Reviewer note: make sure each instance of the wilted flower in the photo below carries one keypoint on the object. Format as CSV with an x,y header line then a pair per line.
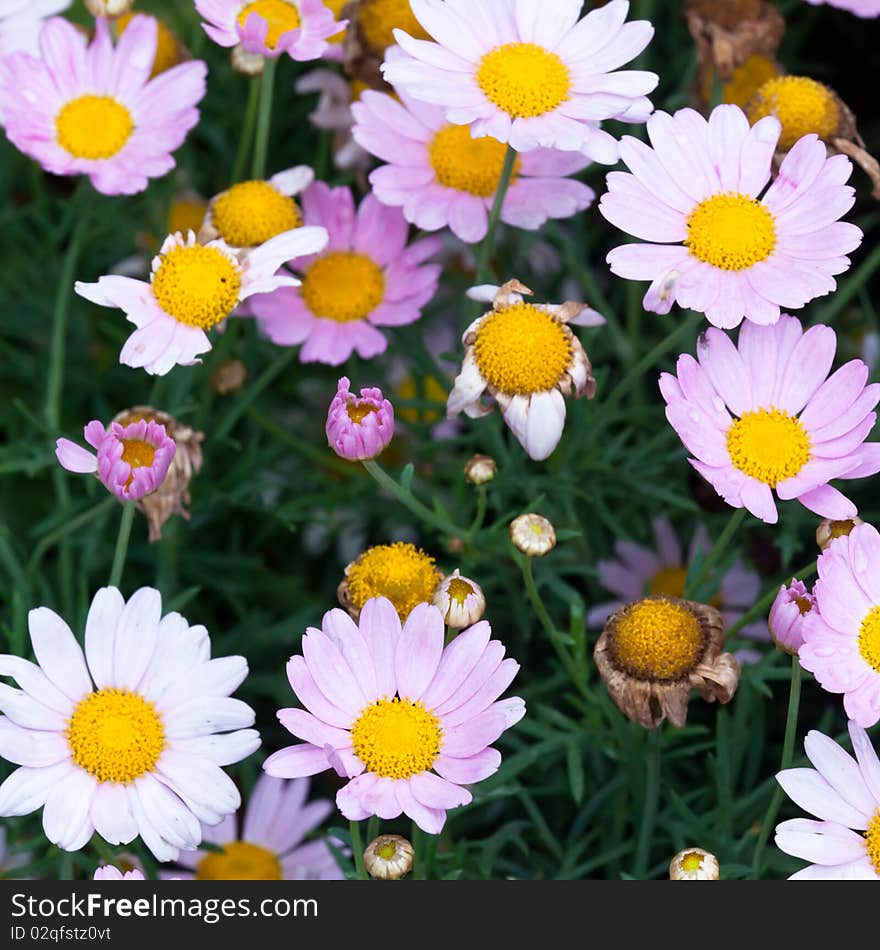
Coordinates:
x,y
480,469
229,377
460,600
172,495
694,864
829,529
532,535
654,651
787,614
359,428
388,858
401,572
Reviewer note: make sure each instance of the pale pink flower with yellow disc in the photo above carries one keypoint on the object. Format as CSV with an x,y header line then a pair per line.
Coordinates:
x,y
764,416
409,721
90,108
359,427
131,461
299,28
722,242
193,287
531,74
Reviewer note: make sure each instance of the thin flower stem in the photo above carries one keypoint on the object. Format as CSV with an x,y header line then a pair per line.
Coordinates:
x,y
248,128
122,543
409,500
480,516
794,701
705,571
484,260
264,119
253,392
357,850
652,798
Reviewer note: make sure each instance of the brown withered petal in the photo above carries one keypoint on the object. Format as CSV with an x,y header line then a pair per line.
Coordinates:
x,y
173,494
648,700
361,62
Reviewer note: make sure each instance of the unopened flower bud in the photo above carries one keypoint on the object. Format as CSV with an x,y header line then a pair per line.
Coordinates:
x,y
389,858
787,615
532,535
109,8
229,377
248,64
694,864
480,469
460,600
359,427
829,530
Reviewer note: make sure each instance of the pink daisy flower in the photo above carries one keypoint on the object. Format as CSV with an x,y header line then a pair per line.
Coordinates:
x,y
110,873
788,615
193,287
271,844
408,721
21,20
367,277
132,460
442,177
359,428
91,108
637,571
299,28
528,74
841,633
863,8
763,416
844,794
723,245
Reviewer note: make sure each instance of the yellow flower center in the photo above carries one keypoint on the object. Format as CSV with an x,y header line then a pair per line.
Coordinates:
x,y
239,861
378,19
197,285
401,572
841,529
93,127
731,231
115,735
186,214
335,7
522,350
281,16
872,841
459,590
802,105
869,638
465,163
669,581
524,79
396,738
343,286
358,411
748,79
428,389
691,862
803,605
137,453
252,212
387,851
769,445
167,47
657,640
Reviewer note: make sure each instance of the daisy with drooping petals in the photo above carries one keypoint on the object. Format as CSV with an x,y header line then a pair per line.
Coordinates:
x,y
862,8
110,873
527,359
841,634
192,288
764,416
367,277
844,794
637,571
270,845
528,74
252,212
91,109
21,21
299,28
131,461
140,751
408,721
723,245
442,177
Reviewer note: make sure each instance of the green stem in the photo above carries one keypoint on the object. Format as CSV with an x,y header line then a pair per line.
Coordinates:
x,y
484,259
122,539
247,130
252,392
74,524
264,119
714,556
357,850
649,810
480,516
794,701
409,500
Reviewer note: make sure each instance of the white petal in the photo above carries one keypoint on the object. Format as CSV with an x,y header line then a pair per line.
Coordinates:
x,y
58,653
